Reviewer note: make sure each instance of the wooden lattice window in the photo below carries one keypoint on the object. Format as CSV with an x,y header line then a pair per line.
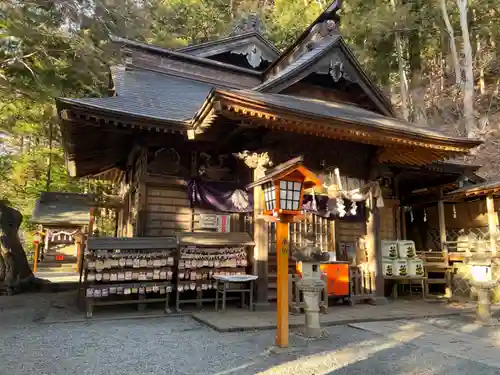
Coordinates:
x,y
324,229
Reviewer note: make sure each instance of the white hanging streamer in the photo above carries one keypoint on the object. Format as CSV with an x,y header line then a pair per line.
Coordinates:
x,y
454,211
425,215
411,215
354,208
314,205
341,207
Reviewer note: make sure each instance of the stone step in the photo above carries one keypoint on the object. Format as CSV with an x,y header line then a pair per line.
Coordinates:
x,y
56,268
272,295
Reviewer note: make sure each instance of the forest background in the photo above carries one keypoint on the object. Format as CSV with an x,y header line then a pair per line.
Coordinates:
x,y
437,60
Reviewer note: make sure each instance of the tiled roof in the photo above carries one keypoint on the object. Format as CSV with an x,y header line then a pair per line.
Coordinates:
x,y
62,209
341,111
477,189
228,39
151,95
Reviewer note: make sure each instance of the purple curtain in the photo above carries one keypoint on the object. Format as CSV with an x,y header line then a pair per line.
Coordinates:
x,y
219,196
229,197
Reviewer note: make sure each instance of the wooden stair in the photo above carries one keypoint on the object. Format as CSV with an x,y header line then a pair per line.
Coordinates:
x,y
436,268
52,264
272,275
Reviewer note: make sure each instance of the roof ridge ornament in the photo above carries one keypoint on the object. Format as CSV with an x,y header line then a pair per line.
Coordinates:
x,y
247,22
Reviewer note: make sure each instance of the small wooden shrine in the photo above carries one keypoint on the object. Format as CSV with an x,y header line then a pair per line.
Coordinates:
x,y
61,218
185,130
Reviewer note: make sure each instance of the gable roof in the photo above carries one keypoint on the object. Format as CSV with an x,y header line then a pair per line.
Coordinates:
x,y
335,110
277,80
298,65
414,145
183,56
230,43
299,69
332,9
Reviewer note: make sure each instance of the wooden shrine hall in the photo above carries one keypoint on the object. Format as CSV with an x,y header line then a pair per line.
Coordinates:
x,y
183,131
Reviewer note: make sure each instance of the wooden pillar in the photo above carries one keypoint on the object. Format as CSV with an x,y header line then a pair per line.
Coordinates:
x,y
492,223
442,225
140,226
403,223
35,255
46,241
398,210
373,245
444,248
260,236
79,252
258,163
282,249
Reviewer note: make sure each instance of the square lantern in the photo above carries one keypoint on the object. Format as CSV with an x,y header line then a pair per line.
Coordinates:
x,y
283,187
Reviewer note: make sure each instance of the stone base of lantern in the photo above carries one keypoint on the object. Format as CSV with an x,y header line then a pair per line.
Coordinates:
x,y
483,308
310,294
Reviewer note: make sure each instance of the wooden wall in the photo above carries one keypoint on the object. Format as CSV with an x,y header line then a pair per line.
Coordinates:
x,y
468,214
167,210
388,220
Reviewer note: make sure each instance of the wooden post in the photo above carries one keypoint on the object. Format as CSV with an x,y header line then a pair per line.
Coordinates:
x,y
261,249
442,225
35,256
492,223
91,222
79,252
373,245
397,207
444,249
282,249
403,223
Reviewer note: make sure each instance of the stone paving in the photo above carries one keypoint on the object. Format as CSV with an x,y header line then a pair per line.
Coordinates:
x,y
182,346
456,336
30,344
238,319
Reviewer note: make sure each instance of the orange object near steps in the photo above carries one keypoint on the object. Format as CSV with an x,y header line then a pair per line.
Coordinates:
x,y
338,277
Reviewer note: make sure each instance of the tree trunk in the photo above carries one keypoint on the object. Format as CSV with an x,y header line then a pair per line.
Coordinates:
x,y
470,126
16,267
405,105
453,47
417,89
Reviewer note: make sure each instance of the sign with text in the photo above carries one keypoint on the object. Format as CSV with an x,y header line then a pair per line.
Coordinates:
x,y
208,221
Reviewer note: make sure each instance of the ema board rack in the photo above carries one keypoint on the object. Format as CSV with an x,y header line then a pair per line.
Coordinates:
x,y
121,271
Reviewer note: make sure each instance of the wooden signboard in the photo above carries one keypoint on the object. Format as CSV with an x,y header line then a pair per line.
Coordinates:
x,y
208,221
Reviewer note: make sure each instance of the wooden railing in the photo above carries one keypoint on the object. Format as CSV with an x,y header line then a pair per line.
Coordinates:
x,y
362,284
467,246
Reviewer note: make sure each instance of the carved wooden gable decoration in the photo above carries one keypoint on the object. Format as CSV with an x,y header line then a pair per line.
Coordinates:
x,y
334,65
321,51
258,52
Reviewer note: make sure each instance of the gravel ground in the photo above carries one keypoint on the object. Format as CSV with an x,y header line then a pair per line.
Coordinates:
x,y
175,346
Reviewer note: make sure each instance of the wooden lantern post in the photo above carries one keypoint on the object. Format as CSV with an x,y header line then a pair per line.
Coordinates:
x,y
283,188
36,249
